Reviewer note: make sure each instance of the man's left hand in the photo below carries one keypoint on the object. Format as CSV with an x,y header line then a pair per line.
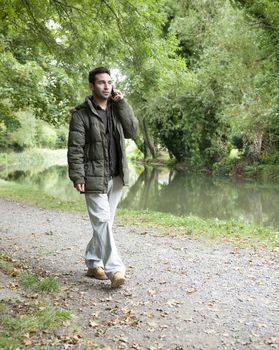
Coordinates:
x,y
118,95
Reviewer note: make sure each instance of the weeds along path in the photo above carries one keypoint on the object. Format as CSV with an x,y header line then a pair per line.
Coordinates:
x,y
181,293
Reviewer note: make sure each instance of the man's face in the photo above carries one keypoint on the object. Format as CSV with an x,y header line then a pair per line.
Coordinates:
x,y
102,86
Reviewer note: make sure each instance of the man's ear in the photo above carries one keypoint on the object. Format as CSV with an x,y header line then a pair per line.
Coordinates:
x,y
91,86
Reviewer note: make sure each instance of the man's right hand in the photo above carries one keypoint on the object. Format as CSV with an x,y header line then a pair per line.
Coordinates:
x,y
80,187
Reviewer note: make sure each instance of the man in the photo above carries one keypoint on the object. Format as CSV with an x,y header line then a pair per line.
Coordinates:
x,y
98,168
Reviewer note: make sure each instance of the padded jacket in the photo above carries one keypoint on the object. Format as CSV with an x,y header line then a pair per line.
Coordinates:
x,y
88,153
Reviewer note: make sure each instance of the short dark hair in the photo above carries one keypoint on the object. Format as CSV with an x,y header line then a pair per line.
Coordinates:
x,y
95,71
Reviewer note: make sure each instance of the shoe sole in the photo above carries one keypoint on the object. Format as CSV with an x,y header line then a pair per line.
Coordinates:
x,y
99,278
118,282
96,277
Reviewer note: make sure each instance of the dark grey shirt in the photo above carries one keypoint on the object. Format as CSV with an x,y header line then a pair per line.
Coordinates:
x,y
106,116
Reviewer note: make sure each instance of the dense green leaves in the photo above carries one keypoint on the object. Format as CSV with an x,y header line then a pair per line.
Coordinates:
x,y
47,50
50,48
229,90
202,75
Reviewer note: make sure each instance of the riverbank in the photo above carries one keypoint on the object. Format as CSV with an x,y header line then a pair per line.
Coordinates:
x,y
44,158
238,232
181,292
41,158
232,169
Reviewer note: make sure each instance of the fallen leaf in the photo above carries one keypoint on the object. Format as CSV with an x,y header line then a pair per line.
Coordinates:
x,y
173,302
191,290
272,340
113,322
123,339
164,326
12,286
106,299
93,324
26,340
152,292
210,331
152,324
76,338
15,272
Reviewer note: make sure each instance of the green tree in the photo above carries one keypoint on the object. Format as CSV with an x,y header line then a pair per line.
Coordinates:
x,y
200,74
265,14
46,51
228,88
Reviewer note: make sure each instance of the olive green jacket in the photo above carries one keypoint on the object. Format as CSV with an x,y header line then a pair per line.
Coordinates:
x,y
88,154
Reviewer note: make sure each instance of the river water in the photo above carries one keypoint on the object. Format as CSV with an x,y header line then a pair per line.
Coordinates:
x,y
161,189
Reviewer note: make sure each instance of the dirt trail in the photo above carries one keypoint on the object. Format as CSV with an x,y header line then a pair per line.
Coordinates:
x,y
181,293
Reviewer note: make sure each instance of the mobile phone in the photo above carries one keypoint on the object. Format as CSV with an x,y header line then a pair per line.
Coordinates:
x,y
112,92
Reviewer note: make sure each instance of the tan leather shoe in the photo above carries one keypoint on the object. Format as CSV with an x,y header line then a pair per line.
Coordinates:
x,y
97,272
117,279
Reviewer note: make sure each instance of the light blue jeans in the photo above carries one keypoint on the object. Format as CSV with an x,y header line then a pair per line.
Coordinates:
x,y
101,249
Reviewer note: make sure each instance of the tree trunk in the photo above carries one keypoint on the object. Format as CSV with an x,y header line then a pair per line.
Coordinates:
x,y
257,145
147,140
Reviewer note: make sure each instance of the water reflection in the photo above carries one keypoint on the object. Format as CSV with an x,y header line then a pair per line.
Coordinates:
x,y
204,196
172,192
53,181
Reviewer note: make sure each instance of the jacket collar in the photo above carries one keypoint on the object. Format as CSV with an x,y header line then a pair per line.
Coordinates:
x,y
91,106
93,109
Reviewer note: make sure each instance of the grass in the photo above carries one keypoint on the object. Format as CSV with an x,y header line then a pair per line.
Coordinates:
x,y
24,322
28,279
9,343
34,320
35,197
5,266
44,318
197,227
46,285
189,225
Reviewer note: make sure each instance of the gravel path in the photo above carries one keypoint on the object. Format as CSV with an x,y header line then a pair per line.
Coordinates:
x,y
181,293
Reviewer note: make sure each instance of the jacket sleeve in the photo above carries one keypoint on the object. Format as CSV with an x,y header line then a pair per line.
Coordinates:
x,y
76,143
125,115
